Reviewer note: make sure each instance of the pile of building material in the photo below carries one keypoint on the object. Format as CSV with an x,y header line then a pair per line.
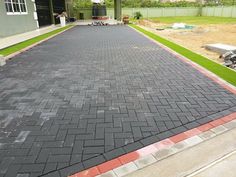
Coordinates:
x,y
227,53
229,59
220,48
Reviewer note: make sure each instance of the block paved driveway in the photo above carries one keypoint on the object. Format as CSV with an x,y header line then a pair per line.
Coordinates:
x,y
94,93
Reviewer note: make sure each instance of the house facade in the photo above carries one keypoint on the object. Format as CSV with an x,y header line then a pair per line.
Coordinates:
x,y
19,16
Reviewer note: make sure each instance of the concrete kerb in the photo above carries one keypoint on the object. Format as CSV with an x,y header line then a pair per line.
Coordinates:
x,y
2,61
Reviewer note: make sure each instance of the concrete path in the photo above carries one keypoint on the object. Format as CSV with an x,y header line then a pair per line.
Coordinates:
x,y
213,158
15,39
225,167
94,93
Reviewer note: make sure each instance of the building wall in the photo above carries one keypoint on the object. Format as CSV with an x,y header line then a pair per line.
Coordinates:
x,y
15,24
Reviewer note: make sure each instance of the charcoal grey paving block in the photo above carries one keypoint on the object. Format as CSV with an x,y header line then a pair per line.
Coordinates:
x,y
34,174
53,174
50,167
65,172
5,163
32,168
93,161
59,158
13,170
226,112
69,141
179,130
78,146
233,109
62,165
93,150
164,135
23,175
59,151
89,156
53,144
192,125
114,153
149,140
75,158
93,143
132,147
25,159
204,120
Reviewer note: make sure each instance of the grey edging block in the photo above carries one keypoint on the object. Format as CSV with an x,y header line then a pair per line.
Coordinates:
x,y
2,61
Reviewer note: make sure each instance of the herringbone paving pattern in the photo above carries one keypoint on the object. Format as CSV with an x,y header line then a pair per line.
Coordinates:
x,y
94,93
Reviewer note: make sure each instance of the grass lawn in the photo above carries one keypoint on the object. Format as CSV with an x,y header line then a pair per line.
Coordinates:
x,y
19,46
197,20
221,71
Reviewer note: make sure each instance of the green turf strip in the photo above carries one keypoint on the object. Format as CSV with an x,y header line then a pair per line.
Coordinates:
x,y
22,45
218,69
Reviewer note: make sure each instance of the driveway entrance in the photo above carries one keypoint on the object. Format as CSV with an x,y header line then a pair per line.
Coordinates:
x,y
94,93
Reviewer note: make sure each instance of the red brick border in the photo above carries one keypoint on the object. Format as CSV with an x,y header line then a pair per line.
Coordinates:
x,y
132,156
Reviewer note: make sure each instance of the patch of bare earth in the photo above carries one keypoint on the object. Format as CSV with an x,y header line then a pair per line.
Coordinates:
x,y
194,39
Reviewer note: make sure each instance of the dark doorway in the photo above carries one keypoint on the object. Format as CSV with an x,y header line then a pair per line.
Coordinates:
x,y
43,11
58,7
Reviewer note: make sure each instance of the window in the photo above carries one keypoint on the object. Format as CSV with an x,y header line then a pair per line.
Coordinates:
x,y
16,7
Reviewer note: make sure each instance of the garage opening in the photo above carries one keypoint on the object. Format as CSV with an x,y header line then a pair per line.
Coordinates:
x,y
47,10
44,13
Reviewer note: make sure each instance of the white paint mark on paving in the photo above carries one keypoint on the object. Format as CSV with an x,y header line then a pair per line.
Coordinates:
x,y
22,136
5,122
43,120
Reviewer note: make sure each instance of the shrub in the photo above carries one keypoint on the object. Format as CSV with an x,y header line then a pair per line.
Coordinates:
x,y
137,15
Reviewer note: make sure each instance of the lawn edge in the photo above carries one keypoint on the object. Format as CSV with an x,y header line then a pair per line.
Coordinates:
x,y
184,58
221,18
8,57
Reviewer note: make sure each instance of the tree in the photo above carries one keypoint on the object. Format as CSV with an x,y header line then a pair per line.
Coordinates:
x,y
78,4
109,3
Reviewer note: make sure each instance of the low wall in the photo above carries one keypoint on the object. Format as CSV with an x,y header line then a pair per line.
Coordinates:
x,y
220,11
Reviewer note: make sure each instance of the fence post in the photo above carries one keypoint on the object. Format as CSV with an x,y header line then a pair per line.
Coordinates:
x,y
232,10
222,7
214,11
